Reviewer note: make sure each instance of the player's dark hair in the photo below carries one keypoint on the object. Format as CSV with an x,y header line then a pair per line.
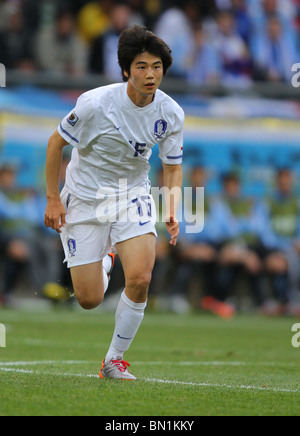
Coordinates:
x,y
137,40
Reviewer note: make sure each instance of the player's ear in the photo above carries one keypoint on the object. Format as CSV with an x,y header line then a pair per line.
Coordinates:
x,y
126,74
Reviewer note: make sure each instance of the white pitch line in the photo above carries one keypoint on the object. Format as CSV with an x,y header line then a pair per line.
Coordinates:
x,y
225,386
44,362
59,374
147,363
149,380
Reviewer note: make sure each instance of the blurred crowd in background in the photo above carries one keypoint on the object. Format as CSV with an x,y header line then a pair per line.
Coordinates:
x,y
246,258
248,255
228,42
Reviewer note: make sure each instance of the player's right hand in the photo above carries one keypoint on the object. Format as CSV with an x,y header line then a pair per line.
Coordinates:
x,y
173,228
55,215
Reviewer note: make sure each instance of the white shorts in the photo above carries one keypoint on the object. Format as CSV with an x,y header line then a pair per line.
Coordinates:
x,y
90,233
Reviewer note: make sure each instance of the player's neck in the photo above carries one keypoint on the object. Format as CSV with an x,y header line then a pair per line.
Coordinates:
x,y
138,98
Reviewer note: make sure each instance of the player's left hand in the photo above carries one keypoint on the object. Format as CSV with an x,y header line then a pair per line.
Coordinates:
x,y
173,228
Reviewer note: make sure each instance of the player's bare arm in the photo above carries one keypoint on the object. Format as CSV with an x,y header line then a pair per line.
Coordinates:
x,y
173,184
55,213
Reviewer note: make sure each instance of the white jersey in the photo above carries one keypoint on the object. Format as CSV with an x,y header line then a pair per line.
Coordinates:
x,y
113,139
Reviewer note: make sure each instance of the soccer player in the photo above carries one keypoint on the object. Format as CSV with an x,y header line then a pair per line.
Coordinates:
x,y
113,130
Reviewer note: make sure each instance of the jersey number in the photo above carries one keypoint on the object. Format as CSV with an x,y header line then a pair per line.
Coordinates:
x,y
144,207
139,148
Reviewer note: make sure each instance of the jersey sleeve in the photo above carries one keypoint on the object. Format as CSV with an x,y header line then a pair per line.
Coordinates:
x,y
78,127
171,147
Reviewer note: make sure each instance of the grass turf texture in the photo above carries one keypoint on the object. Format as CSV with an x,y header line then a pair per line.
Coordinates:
x,y
187,366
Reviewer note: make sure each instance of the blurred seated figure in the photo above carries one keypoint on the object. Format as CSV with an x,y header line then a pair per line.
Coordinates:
x,y
274,52
198,251
104,48
12,252
233,52
12,249
241,253
27,247
282,243
205,65
58,47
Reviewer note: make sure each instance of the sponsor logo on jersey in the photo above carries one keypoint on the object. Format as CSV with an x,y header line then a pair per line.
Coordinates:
x,y
73,119
160,128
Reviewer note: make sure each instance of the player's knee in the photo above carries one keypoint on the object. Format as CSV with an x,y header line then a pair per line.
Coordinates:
x,y
89,302
140,282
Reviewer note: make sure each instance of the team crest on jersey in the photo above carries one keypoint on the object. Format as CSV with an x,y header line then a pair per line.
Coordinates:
x,y
160,128
72,247
72,119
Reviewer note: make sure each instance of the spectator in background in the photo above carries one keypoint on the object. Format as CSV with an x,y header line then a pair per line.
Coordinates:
x,y
208,7
233,52
4,55
139,11
13,252
75,5
93,19
28,248
204,66
175,28
274,53
32,14
242,224
152,9
296,18
282,241
223,5
15,39
58,47
239,9
13,257
198,253
260,10
104,49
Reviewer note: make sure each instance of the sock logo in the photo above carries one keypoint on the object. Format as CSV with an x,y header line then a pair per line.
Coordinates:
x,y
126,339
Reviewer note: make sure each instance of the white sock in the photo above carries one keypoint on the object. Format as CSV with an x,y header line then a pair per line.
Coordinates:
x,y
129,316
106,263
105,281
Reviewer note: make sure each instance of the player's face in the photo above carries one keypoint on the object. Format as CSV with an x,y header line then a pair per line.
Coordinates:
x,y
145,77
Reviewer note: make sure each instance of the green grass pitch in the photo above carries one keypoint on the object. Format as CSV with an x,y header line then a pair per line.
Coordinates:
x,y
186,365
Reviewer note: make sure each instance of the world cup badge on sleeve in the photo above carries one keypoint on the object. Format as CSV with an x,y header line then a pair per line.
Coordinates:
x,y
72,119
